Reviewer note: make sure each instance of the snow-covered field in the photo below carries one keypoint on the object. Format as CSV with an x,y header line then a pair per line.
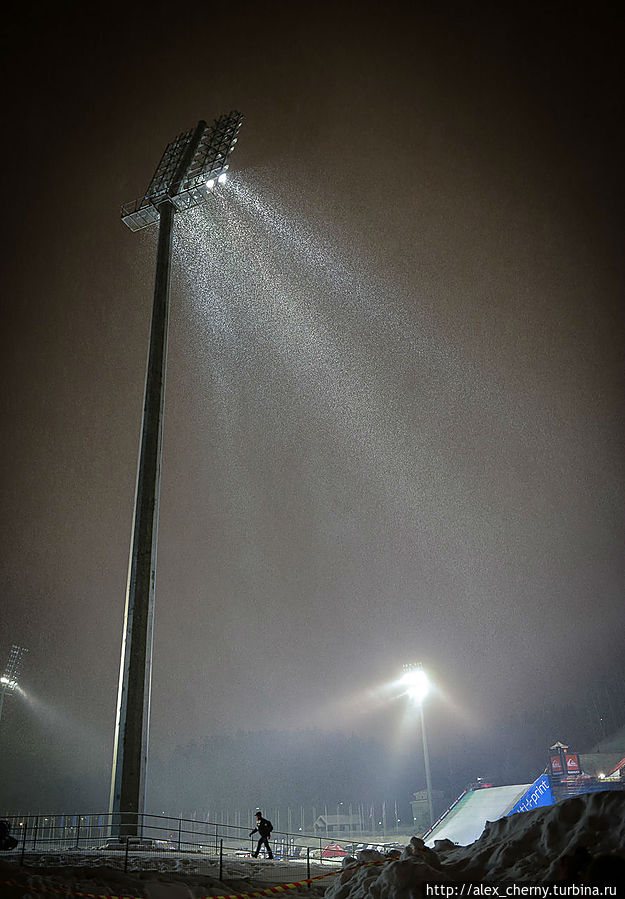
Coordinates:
x,y
174,875
577,841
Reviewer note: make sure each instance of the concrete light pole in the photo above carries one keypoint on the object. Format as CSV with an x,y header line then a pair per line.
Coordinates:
x,y
426,758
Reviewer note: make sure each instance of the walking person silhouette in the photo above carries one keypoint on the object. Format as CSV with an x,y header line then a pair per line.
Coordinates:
x,y
263,829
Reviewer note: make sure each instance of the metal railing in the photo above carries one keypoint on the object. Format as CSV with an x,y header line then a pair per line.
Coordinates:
x,y
206,847
568,788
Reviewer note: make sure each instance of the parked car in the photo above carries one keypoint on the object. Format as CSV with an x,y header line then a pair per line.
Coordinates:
x,y
136,844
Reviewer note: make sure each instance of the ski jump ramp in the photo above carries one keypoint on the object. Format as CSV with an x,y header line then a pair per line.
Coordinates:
x,y
465,820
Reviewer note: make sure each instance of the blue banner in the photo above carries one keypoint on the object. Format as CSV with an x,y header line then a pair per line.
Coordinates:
x,y
537,795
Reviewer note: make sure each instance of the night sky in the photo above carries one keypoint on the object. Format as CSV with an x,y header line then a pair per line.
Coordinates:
x,y
394,426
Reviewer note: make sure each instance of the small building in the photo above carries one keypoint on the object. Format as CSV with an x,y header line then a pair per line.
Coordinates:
x,y
420,808
617,773
343,824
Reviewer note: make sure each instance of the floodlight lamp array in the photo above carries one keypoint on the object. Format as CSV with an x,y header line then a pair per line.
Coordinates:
x,y
188,188
416,682
9,678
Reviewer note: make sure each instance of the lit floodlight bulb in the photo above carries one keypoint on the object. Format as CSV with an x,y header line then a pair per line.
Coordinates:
x,y
210,183
417,683
4,679
222,178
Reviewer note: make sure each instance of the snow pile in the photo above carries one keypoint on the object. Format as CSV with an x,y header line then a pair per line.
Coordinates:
x,y
532,847
401,877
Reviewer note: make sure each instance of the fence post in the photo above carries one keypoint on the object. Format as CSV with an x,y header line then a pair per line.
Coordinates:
x,y
36,827
308,864
24,841
78,832
126,854
221,859
179,832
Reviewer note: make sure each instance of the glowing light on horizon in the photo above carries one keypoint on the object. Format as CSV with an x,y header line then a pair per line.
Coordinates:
x,y
416,682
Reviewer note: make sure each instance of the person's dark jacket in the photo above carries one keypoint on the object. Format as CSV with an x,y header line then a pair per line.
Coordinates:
x,y
6,840
263,827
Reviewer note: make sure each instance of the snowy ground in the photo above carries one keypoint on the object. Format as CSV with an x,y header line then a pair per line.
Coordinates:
x,y
175,875
576,841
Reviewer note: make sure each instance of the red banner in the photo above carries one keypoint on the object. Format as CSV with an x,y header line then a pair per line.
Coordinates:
x,y
556,765
572,763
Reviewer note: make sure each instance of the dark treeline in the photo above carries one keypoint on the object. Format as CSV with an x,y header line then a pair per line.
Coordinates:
x,y
49,768
283,769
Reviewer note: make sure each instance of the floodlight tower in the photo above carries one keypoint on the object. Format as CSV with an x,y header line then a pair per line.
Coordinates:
x,y
418,684
190,168
9,680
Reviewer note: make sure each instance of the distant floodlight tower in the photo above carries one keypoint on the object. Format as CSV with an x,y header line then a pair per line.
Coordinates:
x,y
9,680
186,176
418,686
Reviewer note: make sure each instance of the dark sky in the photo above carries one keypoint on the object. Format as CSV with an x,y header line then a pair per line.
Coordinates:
x,y
394,423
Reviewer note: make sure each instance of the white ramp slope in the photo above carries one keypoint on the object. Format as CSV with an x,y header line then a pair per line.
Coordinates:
x,y
466,821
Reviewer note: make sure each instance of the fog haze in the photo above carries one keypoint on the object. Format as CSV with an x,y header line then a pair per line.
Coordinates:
x,y
393,426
